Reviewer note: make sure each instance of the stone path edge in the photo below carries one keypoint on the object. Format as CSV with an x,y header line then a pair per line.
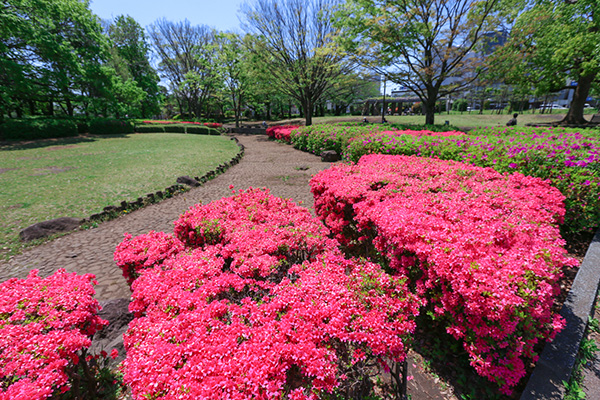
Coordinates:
x,y
109,211
558,357
174,189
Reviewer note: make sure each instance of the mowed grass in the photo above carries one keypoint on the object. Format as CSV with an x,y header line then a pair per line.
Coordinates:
x,y
465,119
76,177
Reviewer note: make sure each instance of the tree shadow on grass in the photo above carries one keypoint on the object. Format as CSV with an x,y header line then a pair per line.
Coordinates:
x,y
10,145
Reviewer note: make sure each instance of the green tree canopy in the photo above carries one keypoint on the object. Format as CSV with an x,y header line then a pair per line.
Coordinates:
x,y
552,43
50,52
427,46
131,58
296,44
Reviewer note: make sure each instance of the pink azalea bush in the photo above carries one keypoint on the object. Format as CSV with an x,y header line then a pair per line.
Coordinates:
x,y
45,324
144,251
483,249
282,132
261,304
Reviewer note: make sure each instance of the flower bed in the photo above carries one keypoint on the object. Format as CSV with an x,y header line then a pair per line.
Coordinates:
x,y
482,248
338,137
45,324
282,132
568,158
260,304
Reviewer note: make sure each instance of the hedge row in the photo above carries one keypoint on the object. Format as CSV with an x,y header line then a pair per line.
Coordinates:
x,y
37,129
177,128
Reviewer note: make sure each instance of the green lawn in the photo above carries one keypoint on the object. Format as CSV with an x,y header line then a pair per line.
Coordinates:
x,y
76,177
465,119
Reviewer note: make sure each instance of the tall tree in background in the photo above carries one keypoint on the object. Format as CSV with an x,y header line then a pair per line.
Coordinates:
x,y
426,46
297,46
186,61
233,61
132,50
50,53
551,43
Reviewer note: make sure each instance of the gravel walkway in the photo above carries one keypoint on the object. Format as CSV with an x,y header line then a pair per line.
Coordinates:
x,y
265,164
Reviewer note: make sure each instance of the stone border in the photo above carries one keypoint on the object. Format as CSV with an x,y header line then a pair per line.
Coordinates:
x,y
109,211
169,191
558,357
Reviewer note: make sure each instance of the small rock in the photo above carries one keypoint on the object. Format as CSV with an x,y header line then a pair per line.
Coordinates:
x,y
48,228
116,312
186,180
302,168
330,156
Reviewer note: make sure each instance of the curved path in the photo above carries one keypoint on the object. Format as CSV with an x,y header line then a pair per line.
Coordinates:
x,y
265,164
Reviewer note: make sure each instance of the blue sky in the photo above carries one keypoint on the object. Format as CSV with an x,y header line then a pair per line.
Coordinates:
x,y
219,14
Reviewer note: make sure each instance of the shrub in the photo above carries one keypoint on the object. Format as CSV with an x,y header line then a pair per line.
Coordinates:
x,y
45,324
110,126
145,251
37,129
259,304
149,128
282,132
568,157
481,248
199,130
175,128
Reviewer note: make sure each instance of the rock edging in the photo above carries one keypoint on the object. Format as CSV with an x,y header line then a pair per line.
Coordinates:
x,y
39,230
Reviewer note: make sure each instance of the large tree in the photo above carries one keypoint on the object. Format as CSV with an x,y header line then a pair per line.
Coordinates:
x,y
427,46
552,43
49,53
186,55
297,46
235,69
132,51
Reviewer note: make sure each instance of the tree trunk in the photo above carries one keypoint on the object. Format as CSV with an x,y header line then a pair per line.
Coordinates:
x,y
31,107
69,107
575,114
429,110
308,112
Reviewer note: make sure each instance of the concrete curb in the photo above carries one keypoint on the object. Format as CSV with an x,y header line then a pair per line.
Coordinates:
x,y
558,357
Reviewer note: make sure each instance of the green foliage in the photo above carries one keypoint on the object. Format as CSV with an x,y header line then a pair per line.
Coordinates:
x,y
460,105
418,44
110,126
551,43
32,129
201,130
132,51
150,128
50,52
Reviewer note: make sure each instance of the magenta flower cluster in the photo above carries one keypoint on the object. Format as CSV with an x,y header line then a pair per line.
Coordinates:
x,y
481,248
258,303
44,326
282,132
